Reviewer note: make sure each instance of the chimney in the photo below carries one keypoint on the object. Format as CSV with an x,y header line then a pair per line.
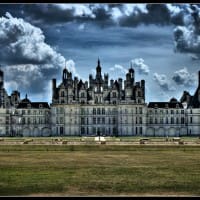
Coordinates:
x,y
53,87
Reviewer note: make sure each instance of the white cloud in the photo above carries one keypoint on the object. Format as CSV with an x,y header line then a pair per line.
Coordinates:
x,y
163,82
183,77
119,68
139,64
70,64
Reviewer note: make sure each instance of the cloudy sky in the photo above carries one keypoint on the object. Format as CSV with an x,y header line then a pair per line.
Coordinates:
x,y
160,41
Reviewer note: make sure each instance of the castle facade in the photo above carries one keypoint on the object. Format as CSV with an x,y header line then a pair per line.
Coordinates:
x,y
99,107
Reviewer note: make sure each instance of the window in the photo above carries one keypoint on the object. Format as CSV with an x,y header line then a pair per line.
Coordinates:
x,y
61,130
61,120
191,120
103,111
82,111
94,120
182,111
94,130
172,111
161,120
182,120
140,130
82,120
114,120
151,120
166,111
98,111
62,94
191,111
140,120
114,95
172,120
103,120
98,120
82,94
140,110
61,110
28,120
156,121
82,130
177,121
167,120
94,111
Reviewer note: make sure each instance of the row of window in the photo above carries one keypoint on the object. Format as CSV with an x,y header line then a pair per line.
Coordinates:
x,y
162,111
32,112
167,120
32,120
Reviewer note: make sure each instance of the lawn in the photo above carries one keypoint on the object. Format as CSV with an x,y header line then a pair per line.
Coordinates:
x,y
82,170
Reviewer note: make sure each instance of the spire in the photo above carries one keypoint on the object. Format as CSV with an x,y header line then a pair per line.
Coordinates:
x,y
26,96
98,62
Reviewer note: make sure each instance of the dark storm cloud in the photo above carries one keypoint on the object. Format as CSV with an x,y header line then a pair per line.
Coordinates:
x,y
187,37
155,14
102,14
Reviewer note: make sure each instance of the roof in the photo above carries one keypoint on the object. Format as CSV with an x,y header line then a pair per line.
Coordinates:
x,y
165,105
33,105
195,103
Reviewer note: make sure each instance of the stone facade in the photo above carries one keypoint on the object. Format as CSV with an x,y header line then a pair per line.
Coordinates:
x,y
99,107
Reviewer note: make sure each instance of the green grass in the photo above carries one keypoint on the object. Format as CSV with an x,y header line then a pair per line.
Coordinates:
x,y
99,170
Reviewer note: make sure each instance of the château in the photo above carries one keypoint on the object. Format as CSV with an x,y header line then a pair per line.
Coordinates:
x,y
98,106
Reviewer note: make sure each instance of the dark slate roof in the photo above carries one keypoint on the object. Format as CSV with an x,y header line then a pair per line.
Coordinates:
x,y
33,105
163,104
195,103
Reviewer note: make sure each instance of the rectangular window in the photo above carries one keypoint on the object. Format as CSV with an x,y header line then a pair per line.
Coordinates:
x,y
94,120
182,120
98,120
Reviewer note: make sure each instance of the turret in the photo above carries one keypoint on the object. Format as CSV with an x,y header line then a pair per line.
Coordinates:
x,y
65,74
111,82
53,87
98,70
1,79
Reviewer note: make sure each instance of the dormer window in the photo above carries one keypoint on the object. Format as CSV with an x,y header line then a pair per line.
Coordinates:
x,y
40,106
29,105
82,94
